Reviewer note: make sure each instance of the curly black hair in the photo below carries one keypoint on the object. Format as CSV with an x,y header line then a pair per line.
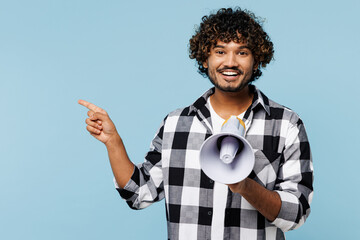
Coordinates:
x,y
226,25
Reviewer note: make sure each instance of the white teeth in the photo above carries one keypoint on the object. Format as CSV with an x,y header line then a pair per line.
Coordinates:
x,y
230,73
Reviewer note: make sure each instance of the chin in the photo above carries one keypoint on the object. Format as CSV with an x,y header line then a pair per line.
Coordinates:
x,y
230,88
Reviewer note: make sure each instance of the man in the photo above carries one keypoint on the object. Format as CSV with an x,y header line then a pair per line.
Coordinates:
x,y
230,48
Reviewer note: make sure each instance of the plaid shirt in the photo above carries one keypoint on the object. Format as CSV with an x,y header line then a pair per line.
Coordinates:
x,y
172,171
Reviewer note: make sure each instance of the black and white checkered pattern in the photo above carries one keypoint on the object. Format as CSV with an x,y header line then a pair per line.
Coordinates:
x,y
172,171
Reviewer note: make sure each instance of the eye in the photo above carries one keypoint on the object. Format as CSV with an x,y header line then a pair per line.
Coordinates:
x,y
243,53
219,52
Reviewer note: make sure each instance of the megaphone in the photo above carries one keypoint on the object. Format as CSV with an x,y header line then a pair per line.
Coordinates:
x,y
227,157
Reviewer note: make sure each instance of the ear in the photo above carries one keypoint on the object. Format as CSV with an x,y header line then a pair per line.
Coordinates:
x,y
205,64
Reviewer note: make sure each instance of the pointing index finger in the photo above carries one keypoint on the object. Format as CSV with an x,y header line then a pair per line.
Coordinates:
x,y
91,106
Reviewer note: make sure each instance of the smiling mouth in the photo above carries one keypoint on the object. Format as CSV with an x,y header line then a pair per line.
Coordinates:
x,y
228,72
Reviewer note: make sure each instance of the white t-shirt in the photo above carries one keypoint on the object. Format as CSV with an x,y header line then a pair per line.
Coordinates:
x,y
220,190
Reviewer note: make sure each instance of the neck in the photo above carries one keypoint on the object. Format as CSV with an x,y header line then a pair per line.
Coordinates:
x,y
226,104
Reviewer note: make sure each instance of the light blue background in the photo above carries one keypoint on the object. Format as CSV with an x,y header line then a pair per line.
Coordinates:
x,y
131,58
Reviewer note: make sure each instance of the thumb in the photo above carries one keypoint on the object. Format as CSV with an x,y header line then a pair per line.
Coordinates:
x,y
98,116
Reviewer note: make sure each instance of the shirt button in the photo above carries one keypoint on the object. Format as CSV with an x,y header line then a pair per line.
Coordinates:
x,y
209,213
211,181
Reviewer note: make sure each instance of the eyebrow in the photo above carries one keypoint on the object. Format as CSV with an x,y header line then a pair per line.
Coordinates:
x,y
221,46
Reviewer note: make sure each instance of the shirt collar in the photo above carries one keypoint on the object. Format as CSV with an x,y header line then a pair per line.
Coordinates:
x,y
259,100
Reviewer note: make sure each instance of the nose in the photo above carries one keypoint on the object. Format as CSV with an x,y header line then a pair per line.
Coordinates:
x,y
230,60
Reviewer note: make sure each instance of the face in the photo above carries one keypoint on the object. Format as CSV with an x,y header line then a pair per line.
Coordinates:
x,y
230,66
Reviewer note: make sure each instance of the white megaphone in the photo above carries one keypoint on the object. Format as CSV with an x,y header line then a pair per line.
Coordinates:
x,y
227,157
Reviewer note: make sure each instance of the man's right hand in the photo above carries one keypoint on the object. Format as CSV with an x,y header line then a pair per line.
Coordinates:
x,y
102,128
99,124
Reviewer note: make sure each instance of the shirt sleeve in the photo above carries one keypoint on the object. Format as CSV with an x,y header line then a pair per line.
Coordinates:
x,y
146,183
295,179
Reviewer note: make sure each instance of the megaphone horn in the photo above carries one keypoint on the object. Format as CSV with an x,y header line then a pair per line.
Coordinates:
x,y
227,157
